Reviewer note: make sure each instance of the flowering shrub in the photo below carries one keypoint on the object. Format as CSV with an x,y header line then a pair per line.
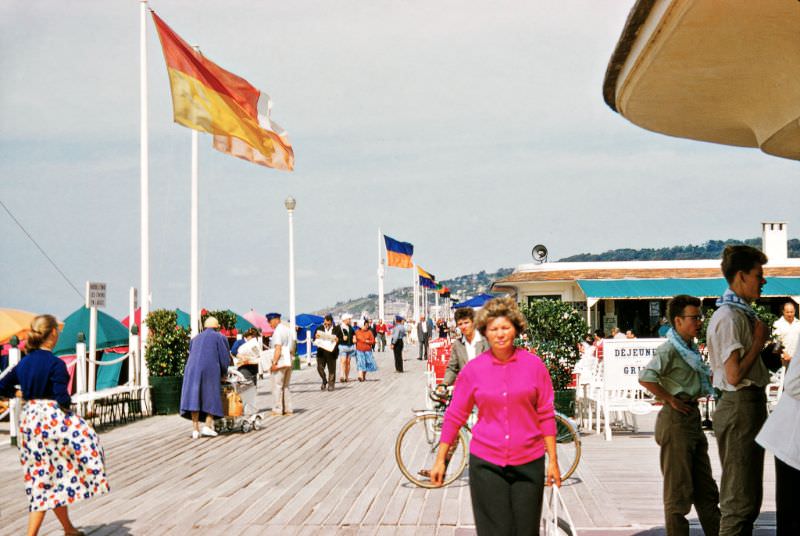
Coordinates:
x,y
167,344
554,330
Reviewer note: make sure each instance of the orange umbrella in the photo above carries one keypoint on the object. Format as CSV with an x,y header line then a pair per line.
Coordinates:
x,y
14,322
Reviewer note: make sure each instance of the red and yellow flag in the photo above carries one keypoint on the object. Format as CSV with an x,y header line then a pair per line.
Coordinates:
x,y
206,97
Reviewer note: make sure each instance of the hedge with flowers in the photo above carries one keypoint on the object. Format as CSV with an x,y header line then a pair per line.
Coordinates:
x,y
554,330
167,344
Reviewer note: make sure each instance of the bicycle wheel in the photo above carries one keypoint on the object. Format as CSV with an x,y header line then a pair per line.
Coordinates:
x,y
568,446
416,447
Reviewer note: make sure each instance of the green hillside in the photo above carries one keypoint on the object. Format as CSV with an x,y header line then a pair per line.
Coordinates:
x,y
708,250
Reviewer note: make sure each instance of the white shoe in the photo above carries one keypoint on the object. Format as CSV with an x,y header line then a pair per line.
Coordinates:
x,y
208,432
195,434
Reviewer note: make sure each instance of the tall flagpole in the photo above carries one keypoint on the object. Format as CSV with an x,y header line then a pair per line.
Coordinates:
x,y
380,277
194,309
145,187
194,300
415,286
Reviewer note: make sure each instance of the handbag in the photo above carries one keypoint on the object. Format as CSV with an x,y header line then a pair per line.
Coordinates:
x,y
556,520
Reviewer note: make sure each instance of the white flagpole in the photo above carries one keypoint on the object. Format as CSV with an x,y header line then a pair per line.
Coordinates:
x,y
145,186
195,283
415,286
380,277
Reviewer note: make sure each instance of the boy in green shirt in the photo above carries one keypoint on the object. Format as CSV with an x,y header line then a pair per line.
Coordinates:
x,y
678,376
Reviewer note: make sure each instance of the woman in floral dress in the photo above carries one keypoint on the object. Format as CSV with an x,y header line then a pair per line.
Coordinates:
x,y
60,453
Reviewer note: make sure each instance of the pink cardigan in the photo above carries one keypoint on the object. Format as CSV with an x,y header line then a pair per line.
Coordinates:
x,y
515,407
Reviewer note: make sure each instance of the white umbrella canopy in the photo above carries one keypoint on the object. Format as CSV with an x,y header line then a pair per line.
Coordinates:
x,y
723,73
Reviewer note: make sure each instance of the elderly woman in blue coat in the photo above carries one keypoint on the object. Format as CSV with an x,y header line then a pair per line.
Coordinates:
x,y
201,397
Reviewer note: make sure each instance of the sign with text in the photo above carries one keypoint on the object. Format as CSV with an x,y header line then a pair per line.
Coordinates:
x,y
624,358
95,294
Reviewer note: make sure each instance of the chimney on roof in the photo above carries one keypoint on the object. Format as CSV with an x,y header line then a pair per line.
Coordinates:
x,y
775,240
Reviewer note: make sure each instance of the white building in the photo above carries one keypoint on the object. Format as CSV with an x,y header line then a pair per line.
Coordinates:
x,y
633,294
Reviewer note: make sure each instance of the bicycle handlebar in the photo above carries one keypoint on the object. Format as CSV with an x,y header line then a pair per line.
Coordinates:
x,y
440,394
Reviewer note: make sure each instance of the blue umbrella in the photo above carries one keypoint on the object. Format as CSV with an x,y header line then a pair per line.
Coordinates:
x,y
477,301
306,321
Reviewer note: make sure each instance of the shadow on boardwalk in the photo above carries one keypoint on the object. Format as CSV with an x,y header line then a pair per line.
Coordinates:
x,y
328,469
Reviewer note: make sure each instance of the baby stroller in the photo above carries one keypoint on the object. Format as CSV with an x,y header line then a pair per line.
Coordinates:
x,y
239,404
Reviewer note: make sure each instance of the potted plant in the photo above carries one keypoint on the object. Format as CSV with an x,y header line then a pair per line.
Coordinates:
x,y
166,353
554,330
227,321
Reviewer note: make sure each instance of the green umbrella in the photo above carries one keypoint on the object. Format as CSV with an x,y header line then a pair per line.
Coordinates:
x,y
110,332
242,324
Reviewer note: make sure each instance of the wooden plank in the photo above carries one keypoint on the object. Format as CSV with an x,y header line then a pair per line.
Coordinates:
x,y
329,469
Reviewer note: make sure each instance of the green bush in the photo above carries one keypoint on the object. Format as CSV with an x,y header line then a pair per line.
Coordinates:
x,y
167,344
227,319
554,330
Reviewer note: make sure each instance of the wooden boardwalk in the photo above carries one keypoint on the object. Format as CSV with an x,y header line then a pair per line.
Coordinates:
x,y
328,469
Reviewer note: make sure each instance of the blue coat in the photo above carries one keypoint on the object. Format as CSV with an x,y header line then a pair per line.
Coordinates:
x,y
208,362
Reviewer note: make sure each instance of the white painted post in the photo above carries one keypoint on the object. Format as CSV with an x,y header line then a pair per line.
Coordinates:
x,y
80,366
144,181
290,204
380,276
133,359
308,346
13,403
415,286
133,340
92,348
194,309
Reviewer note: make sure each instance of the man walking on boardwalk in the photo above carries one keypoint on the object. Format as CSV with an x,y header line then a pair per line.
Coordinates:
x,y
678,376
380,335
398,334
735,339
466,347
324,337
281,343
424,330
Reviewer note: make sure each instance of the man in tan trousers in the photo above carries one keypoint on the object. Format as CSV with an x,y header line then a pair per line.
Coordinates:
x,y
678,376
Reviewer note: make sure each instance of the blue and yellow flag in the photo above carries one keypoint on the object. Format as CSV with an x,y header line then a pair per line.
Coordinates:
x,y
398,254
426,279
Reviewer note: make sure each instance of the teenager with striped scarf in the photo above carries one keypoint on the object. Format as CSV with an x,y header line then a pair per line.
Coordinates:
x,y
735,339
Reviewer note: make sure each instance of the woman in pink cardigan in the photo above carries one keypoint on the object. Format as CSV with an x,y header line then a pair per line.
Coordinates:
x,y
516,425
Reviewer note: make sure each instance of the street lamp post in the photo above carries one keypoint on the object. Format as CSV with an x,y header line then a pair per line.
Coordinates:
x,y
290,203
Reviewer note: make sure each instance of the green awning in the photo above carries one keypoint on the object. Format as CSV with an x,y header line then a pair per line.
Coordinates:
x,y
667,288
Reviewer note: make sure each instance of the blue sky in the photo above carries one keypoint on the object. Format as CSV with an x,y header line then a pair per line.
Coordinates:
x,y
472,130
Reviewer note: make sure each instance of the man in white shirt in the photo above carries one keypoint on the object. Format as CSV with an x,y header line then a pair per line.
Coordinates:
x,y
787,328
281,343
735,339
465,348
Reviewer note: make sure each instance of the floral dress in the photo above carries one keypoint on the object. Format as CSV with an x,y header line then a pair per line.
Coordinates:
x,y
61,454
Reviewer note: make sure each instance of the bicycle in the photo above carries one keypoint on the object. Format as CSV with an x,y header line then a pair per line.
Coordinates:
x,y
418,442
